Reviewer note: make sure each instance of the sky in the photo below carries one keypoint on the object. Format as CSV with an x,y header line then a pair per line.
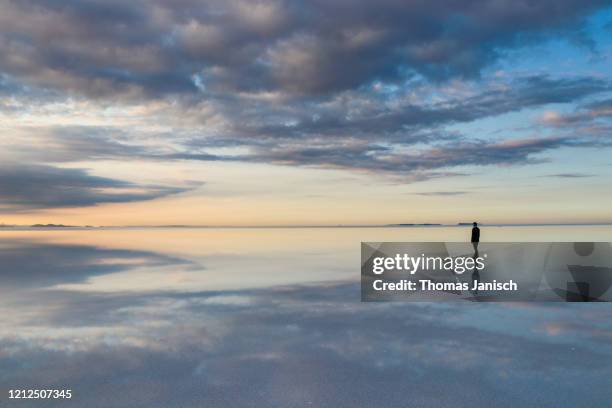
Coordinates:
x,y
323,112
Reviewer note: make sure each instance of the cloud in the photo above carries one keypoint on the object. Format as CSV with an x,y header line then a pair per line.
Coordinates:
x,y
62,144
284,82
28,187
570,175
441,193
590,120
405,120
155,48
585,114
58,144
362,133
420,162
356,131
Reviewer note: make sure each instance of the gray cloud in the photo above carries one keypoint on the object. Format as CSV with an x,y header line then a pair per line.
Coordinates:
x,y
158,47
360,133
570,175
363,114
68,143
418,163
24,187
288,82
356,133
60,144
408,140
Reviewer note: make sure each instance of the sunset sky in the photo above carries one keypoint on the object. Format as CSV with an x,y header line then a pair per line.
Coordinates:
x,y
228,112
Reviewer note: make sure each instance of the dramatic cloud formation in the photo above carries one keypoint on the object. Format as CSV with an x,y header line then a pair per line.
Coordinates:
x,y
388,88
358,133
417,165
38,186
158,47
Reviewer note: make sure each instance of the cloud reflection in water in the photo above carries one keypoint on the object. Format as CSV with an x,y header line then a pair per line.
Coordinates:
x,y
297,344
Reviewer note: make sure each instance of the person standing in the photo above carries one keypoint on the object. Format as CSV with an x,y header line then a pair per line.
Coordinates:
x,y
475,237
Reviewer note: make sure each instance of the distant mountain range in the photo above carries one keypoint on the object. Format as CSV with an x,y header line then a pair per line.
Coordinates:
x,y
44,226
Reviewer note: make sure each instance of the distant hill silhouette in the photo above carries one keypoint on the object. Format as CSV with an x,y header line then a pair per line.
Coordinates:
x,y
51,226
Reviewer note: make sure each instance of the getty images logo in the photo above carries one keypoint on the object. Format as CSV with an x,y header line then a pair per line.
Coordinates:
x,y
414,264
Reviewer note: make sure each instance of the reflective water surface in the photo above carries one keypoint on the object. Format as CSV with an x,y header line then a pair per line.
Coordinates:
x,y
272,317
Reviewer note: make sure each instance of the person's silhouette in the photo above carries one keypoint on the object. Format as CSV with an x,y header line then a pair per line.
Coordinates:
x,y
475,237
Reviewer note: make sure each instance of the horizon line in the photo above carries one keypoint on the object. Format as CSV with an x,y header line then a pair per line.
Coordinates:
x,y
51,226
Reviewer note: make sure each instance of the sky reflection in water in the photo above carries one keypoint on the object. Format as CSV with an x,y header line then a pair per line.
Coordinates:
x,y
165,318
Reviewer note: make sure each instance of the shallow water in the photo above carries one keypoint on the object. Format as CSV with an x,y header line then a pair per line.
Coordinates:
x,y
271,317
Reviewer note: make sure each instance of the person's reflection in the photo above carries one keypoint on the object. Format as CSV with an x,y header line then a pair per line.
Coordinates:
x,y
475,275
475,238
